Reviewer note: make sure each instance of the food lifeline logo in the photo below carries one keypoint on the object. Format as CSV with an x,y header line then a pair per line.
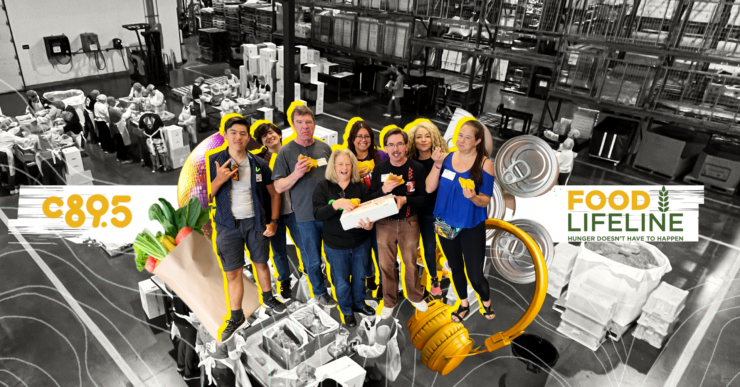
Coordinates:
x,y
632,213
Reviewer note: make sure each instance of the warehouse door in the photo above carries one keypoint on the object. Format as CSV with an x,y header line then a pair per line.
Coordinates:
x,y
10,70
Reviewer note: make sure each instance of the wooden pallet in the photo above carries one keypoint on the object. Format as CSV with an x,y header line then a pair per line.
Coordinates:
x,y
650,171
721,190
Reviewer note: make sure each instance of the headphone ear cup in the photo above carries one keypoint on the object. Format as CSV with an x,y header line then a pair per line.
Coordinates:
x,y
423,325
451,340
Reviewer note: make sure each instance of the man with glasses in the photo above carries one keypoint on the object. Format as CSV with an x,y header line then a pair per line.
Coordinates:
x,y
401,230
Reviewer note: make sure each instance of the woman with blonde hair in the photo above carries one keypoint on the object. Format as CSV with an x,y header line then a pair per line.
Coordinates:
x,y
345,250
423,139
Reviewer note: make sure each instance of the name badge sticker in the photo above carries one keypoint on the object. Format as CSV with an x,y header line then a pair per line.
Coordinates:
x,y
321,162
384,177
259,177
448,174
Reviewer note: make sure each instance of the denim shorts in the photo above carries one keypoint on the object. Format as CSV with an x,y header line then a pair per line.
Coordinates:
x,y
230,244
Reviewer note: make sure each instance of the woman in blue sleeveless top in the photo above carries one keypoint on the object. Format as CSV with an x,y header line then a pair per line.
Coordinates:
x,y
465,209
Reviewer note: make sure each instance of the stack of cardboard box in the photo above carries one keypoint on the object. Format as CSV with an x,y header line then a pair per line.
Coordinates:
x,y
178,149
76,173
588,313
558,274
660,314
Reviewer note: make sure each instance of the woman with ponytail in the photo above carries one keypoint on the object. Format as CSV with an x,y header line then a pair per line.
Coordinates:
x,y
460,221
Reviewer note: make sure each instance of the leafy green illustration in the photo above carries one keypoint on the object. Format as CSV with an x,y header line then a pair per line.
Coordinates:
x,y
663,200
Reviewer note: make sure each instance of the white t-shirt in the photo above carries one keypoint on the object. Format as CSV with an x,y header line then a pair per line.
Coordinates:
x,y
241,193
565,158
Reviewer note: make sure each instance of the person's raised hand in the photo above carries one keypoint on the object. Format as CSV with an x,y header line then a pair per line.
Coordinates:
x,y
224,173
468,193
438,156
301,168
389,185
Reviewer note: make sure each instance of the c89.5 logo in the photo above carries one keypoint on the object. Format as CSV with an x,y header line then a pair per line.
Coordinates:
x,y
75,216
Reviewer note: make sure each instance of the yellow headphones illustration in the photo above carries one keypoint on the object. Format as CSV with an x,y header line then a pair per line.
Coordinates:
x,y
444,344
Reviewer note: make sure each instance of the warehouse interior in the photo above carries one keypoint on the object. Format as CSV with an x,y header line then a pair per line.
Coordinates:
x,y
658,82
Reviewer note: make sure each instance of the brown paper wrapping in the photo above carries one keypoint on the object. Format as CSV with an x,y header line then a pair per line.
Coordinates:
x,y
192,271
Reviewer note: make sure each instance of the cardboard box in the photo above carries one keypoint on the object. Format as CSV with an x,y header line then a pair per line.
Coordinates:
x,y
78,177
343,370
329,326
254,64
173,136
73,159
265,113
377,209
303,50
271,45
152,299
331,68
326,135
283,356
319,90
250,50
268,53
319,107
312,56
179,155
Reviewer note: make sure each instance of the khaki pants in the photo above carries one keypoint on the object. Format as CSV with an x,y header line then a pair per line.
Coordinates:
x,y
392,234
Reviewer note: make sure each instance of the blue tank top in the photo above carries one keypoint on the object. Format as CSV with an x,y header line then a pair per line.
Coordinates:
x,y
452,206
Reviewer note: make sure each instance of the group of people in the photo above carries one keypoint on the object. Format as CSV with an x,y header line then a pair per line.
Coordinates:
x,y
105,124
304,187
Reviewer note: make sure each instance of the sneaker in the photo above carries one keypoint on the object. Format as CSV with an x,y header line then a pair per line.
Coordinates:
x,y
397,117
350,321
436,289
421,306
386,115
386,312
285,290
154,170
273,304
326,301
233,326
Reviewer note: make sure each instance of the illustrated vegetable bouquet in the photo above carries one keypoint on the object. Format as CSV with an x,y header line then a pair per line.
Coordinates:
x,y
177,224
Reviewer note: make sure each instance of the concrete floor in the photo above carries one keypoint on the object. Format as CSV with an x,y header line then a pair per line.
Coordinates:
x,y
45,344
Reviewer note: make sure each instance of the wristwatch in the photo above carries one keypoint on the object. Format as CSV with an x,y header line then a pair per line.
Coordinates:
x,y
275,220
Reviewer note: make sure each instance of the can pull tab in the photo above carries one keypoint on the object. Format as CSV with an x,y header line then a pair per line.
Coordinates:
x,y
510,174
509,245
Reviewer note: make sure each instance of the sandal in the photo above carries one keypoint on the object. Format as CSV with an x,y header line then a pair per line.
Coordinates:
x,y
460,313
489,312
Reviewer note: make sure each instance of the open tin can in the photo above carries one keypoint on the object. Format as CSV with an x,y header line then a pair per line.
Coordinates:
x,y
502,206
526,166
510,256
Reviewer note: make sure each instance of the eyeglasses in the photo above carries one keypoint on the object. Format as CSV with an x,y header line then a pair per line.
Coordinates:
x,y
363,137
399,145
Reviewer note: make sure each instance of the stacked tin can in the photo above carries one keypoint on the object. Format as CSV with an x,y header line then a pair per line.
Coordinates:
x,y
525,167
660,314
